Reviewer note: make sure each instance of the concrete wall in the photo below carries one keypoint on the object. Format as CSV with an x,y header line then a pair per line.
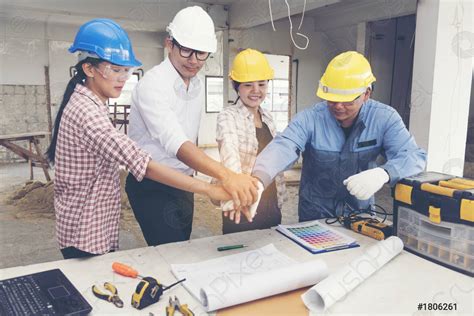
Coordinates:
x,y
23,110
442,74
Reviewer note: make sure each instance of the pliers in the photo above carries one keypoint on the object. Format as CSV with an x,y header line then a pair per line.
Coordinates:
x,y
113,297
175,305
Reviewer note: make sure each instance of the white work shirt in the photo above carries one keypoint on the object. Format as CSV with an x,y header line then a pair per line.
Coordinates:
x,y
165,113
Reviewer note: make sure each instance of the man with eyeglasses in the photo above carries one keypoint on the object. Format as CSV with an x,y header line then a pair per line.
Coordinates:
x,y
164,120
341,139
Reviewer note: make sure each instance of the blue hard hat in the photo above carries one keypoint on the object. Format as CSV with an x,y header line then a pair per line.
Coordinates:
x,y
107,40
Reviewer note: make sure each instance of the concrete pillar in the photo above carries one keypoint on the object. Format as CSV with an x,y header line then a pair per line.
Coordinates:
x,y
442,82
361,37
225,67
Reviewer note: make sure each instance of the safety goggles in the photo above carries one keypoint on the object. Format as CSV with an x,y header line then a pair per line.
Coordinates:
x,y
188,52
347,104
114,72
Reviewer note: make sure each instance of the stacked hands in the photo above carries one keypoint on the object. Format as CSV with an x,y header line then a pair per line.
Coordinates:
x,y
249,211
246,191
241,193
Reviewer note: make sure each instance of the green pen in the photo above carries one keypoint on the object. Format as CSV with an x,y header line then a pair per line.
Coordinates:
x,y
224,248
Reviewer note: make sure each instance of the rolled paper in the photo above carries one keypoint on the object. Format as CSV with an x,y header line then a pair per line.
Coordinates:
x,y
264,284
337,285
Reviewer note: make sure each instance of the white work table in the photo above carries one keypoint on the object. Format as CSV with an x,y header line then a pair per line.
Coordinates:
x,y
398,287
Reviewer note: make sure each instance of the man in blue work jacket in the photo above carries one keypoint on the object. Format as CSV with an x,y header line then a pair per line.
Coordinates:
x,y
341,138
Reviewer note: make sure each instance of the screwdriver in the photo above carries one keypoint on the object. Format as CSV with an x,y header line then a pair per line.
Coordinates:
x,y
125,270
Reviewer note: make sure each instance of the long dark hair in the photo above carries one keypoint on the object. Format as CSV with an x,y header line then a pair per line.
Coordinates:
x,y
236,85
79,78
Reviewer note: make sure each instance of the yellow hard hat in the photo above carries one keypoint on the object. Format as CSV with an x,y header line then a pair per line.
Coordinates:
x,y
347,76
250,65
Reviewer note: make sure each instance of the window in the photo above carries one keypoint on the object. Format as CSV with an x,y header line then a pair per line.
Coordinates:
x,y
277,102
214,94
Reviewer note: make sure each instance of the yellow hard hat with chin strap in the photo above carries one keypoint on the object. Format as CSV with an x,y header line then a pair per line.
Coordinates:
x,y
250,65
347,76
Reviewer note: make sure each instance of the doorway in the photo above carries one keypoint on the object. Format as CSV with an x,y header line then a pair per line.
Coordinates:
x,y
390,51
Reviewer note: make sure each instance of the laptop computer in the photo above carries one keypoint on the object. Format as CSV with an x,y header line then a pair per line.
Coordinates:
x,y
44,293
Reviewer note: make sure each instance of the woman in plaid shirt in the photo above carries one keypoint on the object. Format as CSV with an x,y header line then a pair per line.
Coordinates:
x,y
243,130
87,150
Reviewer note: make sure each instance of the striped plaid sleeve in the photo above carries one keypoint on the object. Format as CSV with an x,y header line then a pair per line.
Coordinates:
x,y
102,139
228,141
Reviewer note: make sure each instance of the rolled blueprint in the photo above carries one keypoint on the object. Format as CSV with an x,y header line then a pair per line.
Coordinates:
x,y
259,285
324,294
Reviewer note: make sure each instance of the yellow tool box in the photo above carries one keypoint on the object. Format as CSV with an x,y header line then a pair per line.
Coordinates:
x,y
434,217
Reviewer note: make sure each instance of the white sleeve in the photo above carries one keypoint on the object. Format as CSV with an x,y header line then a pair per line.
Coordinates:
x,y
154,102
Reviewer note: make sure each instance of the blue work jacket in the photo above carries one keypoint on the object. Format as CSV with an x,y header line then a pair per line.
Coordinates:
x,y
329,157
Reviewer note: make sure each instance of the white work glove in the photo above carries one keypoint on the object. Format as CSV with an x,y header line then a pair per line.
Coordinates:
x,y
364,184
229,205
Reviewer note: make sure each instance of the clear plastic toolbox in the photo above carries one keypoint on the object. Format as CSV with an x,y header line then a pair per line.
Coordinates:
x,y
434,217
448,243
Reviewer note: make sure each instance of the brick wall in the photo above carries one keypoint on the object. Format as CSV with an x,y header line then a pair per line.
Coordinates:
x,y
23,109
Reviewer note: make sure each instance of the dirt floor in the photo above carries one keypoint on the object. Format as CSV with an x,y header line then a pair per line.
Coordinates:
x,y
27,232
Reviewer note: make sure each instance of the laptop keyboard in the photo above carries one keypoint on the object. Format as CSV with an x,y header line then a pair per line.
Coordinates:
x,y
22,296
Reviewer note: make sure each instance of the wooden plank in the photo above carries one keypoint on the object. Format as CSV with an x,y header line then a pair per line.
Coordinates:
x,y
30,162
34,159
43,161
288,303
47,89
24,136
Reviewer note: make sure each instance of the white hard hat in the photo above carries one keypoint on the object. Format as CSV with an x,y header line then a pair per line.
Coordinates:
x,y
193,28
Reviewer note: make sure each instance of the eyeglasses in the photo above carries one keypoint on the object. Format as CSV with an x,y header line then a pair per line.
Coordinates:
x,y
347,104
188,52
116,73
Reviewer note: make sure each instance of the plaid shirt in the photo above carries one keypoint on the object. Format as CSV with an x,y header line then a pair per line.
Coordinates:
x,y
238,145
87,185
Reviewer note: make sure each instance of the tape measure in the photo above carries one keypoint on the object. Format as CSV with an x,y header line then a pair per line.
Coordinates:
x,y
149,291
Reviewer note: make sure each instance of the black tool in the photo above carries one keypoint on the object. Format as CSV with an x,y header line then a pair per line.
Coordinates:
x,y
149,291
366,225
112,296
175,305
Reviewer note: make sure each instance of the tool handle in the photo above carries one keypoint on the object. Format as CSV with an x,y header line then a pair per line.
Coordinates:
x,y
428,187
170,311
124,270
185,310
175,283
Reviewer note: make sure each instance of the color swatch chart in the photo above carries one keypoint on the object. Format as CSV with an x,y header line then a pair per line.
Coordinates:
x,y
317,237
